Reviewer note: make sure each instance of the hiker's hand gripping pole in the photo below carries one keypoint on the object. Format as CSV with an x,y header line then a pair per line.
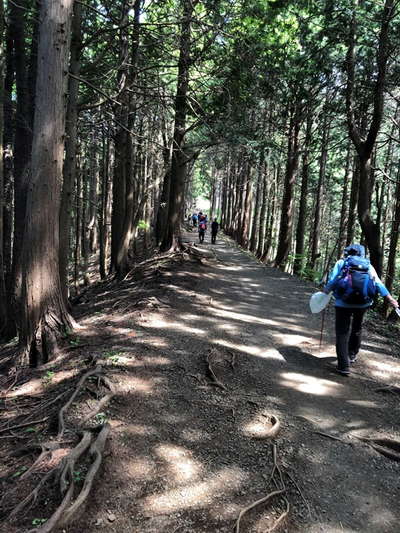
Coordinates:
x,y
394,303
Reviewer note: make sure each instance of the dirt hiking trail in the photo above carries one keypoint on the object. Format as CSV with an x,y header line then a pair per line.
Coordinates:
x,y
185,455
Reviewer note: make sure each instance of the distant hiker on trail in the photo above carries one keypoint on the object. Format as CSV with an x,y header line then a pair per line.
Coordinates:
x,y
214,231
354,283
202,226
194,220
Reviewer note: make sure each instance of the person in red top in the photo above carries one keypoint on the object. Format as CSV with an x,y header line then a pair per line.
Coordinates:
x,y
202,226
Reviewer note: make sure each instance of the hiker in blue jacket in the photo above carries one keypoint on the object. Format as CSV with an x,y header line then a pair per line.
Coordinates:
x,y
354,283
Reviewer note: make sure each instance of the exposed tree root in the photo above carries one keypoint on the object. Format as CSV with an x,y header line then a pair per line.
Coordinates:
x,y
104,400
2,430
281,490
275,428
254,504
61,420
388,447
71,503
215,380
96,450
392,388
329,436
144,264
232,362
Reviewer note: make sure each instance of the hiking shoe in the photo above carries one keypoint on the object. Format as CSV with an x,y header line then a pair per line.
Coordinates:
x,y
353,358
343,372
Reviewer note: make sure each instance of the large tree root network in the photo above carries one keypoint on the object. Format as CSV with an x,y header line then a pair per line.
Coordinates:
x,y
59,459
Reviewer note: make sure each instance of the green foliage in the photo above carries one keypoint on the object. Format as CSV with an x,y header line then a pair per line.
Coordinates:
x,y
112,355
142,224
48,377
101,418
32,429
36,522
78,476
20,471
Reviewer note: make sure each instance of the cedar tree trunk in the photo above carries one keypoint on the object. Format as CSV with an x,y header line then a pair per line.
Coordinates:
x,y
43,311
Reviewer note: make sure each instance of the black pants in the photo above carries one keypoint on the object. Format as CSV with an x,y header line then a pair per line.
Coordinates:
x,y
348,339
213,238
201,235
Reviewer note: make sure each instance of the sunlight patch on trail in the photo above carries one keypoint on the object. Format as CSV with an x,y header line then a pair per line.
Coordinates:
x,y
310,384
388,370
250,319
139,468
290,340
180,464
195,495
164,324
269,353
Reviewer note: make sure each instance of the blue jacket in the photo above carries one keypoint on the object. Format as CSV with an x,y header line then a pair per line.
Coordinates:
x,y
337,270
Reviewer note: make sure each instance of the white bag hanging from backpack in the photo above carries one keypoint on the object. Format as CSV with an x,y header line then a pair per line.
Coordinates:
x,y
319,301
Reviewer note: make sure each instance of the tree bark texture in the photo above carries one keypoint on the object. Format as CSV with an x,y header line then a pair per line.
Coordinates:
x,y
286,222
69,170
171,237
344,219
44,314
105,192
394,241
257,203
316,233
22,142
302,215
3,294
124,189
365,147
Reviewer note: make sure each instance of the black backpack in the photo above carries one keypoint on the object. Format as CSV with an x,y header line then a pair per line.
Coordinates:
x,y
355,286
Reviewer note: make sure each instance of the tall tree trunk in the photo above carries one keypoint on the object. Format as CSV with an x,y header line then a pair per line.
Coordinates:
x,y
9,329
224,198
44,315
241,176
69,170
352,216
171,237
125,190
365,147
3,294
78,224
344,219
93,193
270,218
85,230
255,229
262,224
316,233
394,240
22,142
285,229
246,208
105,191
301,221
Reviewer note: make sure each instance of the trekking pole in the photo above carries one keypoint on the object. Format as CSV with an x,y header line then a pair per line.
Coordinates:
x,y
322,330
